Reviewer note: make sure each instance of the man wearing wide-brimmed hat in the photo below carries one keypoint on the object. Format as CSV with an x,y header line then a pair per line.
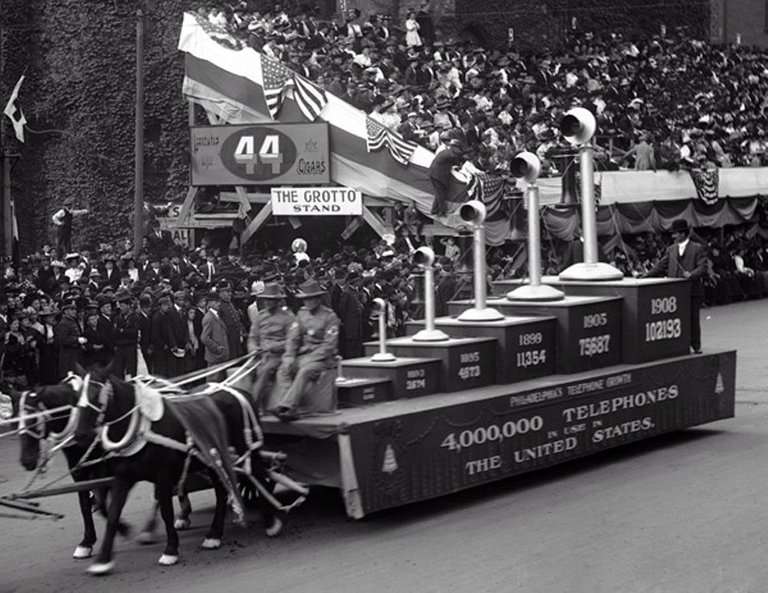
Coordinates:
x,y
268,335
685,259
310,349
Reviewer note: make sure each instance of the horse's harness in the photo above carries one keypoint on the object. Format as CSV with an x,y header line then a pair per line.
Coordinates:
x,y
29,402
139,431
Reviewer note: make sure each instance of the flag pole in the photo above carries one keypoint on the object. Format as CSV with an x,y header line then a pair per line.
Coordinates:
x,y
138,182
7,209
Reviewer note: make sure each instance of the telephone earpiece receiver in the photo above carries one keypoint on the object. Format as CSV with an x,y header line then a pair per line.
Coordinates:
x,y
424,257
473,212
525,166
578,126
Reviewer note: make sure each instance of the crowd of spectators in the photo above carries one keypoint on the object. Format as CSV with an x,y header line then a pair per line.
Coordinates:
x,y
97,303
664,101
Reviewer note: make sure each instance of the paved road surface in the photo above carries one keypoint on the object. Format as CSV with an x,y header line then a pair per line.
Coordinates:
x,y
680,513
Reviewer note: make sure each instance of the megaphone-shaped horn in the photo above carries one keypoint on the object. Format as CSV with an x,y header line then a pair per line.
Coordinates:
x,y
424,257
526,166
578,126
473,212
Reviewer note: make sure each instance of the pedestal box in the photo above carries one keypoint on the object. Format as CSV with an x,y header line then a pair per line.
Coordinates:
x,y
588,328
409,377
467,363
656,320
360,392
525,346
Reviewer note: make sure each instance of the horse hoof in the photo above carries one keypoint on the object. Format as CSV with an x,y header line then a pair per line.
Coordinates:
x,y
211,543
181,524
98,569
168,560
145,538
83,552
274,529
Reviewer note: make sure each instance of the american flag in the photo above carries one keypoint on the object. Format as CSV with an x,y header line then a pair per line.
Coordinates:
x,y
707,183
278,79
489,189
380,136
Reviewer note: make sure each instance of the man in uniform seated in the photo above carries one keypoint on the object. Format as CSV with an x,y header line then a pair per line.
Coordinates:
x,y
310,349
267,336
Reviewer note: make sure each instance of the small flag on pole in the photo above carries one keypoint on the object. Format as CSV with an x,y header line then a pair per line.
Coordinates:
x,y
14,113
278,79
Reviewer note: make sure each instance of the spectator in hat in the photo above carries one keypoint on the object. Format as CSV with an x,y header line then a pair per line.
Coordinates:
x,y
68,340
162,338
349,309
685,259
177,319
47,347
62,220
110,275
144,315
267,337
195,330
310,349
106,330
95,354
232,321
126,334
74,272
53,282
214,336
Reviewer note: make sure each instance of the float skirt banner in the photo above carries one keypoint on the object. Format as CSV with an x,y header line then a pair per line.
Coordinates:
x,y
442,449
316,201
269,154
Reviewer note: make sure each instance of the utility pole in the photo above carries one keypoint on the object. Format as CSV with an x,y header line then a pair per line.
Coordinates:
x,y
138,190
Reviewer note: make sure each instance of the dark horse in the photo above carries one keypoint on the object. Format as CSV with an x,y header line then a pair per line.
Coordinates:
x,y
59,431
110,401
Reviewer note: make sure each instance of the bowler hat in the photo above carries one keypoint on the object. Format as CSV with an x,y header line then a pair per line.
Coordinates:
x,y
679,226
224,285
309,289
104,299
272,290
122,295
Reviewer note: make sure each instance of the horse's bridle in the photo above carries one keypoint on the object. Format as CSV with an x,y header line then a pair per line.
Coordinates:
x,y
39,430
105,397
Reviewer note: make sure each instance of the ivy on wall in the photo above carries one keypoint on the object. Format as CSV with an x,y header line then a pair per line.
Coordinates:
x,y
80,62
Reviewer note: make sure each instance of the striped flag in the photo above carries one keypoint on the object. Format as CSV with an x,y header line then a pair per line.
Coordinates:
x,y
380,136
278,79
14,113
707,183
489,189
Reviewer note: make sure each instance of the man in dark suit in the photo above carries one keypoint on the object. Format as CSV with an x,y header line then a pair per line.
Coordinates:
x,y
145,331
126,336
177,317
685,259
161,337
68,339
198,355
440,175
105,330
